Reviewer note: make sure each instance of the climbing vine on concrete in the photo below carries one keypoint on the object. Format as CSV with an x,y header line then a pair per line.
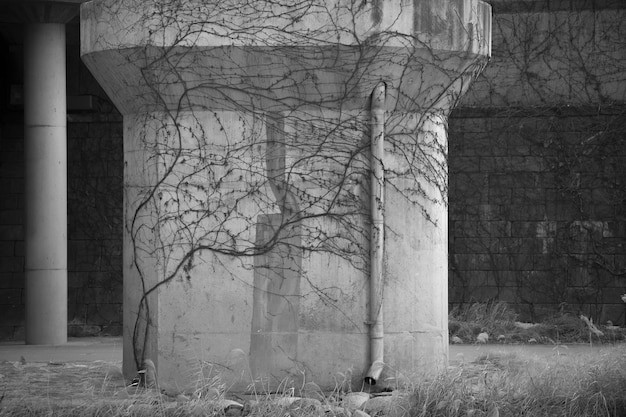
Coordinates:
x,y
247,143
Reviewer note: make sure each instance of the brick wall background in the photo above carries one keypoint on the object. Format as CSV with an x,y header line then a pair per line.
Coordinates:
x,y
95,169
538,211
538,164
11,231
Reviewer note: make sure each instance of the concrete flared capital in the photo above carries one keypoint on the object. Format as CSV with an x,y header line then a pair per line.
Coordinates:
x,y
265,55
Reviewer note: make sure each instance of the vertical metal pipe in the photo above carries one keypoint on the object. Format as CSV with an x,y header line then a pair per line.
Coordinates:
x,y
377,120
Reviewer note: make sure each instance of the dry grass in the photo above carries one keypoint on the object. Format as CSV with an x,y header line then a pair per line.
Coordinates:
x,y
493,318
591,384
68,389
498,385
507,385
497,319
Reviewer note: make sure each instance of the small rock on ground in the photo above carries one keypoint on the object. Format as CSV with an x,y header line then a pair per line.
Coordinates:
x,y
305,406
388,406
355,400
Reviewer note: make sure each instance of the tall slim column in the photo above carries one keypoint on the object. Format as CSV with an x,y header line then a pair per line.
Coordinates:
x,y
45,137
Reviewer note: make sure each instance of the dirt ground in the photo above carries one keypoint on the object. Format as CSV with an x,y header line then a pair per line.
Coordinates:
x,y
85,382
56,381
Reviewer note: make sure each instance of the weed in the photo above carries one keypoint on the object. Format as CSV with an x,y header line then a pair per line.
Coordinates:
x,y
498,320
494,385
500,384
507,385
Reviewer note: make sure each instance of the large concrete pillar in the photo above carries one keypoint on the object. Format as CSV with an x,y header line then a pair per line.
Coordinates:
x,y
246,132
45,148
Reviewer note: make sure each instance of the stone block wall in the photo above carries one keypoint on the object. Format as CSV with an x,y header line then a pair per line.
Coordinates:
x,y
538,210
95,169
537,164
11,231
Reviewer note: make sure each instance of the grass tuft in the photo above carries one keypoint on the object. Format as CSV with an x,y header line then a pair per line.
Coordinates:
x,y
507,385
469,321
495,385
499,321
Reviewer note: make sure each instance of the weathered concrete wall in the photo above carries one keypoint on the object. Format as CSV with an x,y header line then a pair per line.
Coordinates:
x,y
537,157
274,316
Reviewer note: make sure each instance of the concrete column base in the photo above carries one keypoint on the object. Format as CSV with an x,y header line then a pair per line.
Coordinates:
x,y
46,307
